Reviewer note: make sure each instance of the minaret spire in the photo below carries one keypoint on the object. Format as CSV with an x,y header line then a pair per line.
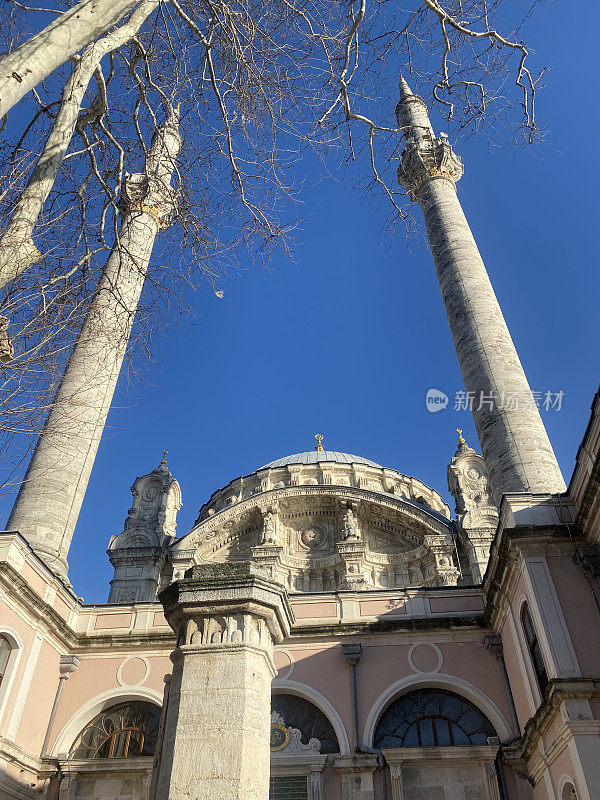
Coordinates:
x,y
405,90
514,442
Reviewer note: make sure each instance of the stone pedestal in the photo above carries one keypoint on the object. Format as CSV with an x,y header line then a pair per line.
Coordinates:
x,y
216,734
357,776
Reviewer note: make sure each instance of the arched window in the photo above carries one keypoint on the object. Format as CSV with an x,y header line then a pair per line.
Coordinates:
x,y
430,718
535,651
5,651
124,731
296,712
569,792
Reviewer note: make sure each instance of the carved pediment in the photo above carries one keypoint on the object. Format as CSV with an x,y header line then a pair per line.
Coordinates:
x,y
320,539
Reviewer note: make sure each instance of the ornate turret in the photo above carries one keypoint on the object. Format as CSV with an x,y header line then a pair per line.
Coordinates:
x,y
138,554
476,513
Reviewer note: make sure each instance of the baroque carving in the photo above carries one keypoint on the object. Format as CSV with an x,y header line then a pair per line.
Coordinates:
x,y
468,484
428,157
226,630
322,538
351,530
269,529
292,743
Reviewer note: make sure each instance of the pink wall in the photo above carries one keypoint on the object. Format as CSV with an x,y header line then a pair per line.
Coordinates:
x,y
40,698
382,665
576,595
96,675
9,619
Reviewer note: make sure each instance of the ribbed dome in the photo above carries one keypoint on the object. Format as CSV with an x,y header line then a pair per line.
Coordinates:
x,y
314,456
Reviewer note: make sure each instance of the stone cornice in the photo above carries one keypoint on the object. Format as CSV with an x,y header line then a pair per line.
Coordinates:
x,y
64,636
43,614
337,630
108,765
14,754
266,478
559,689
510,545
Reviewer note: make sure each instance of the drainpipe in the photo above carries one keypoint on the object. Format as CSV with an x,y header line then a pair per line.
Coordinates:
x,y
352,654
68,665
494,645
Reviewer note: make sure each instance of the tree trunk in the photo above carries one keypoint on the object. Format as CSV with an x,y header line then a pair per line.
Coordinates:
x,y
39,56
50,497
17,249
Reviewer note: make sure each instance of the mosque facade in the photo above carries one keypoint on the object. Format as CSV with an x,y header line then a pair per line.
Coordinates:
x,y
329,628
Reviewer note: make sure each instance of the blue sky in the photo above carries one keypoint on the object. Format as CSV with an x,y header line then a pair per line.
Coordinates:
x,y
346,340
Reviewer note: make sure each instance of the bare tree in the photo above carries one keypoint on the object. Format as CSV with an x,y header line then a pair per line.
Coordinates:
x,y
259,84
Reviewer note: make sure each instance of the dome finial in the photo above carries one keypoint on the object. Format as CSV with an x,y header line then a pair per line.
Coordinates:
x,y
319,448
461,438
163,461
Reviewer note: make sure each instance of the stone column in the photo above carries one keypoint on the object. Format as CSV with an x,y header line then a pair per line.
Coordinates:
x,y
396,780
516,448
316,781
216,734
49,500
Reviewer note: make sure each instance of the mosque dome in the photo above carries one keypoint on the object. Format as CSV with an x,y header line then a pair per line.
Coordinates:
x,y
315,456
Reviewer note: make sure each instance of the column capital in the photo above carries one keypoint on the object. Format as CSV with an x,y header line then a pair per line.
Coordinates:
x,y
589,558
227,591
68,665
356,763
425,158
493,643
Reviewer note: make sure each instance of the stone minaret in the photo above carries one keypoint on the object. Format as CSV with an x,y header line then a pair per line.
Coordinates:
x,y
50,497
514,442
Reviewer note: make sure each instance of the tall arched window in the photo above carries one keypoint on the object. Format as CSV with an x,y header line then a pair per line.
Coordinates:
x,y
124,731
569,792
432,718
535,651
5,651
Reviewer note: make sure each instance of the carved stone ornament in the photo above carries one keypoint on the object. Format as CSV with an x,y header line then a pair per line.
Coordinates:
x,y
150,191
428,157
351,530
288,741
313,537
269,528
322,538
153,514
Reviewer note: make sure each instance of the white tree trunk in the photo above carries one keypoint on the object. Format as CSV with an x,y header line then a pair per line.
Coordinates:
x,y
50,497
39,56
17,249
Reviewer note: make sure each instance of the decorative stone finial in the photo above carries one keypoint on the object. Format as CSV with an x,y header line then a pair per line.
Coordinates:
x,y
319,448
